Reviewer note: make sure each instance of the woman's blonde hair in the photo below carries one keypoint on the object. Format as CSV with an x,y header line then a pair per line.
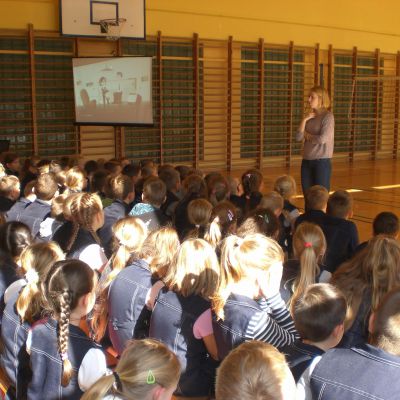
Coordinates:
x,y
255,371
83,208
309,245
36,261
159,249
323,95
75,180
239,257
144,364
195,270
375,268
129,234
285,185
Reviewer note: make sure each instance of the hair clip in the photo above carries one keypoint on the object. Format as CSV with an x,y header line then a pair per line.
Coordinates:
x,y
307,244
118,383
151,379
32,276
230,215
64,356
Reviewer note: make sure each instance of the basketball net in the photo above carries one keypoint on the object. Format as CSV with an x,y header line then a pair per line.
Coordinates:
x,y
112,28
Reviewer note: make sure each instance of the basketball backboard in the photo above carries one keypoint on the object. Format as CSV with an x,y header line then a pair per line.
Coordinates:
x,y
82,17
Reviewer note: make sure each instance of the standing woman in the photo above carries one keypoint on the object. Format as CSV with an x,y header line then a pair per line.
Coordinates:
x,y
317,132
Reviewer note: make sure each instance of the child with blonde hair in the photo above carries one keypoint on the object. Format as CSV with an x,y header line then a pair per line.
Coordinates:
x,y
75,180
248,305
181,316
306,267
129,234
147,370
223,222
285,185
255,370
25,305
65,362
87,217
131,291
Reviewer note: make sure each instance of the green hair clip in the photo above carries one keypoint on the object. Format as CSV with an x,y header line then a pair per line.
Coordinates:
x,y
151,379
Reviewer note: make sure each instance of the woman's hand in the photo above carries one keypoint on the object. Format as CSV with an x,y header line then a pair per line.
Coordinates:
x,y
309,116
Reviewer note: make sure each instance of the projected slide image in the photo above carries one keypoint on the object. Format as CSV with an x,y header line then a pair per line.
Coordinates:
x,y
113,90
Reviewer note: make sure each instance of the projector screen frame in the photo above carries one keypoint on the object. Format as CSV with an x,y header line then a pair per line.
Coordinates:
x,y
112,123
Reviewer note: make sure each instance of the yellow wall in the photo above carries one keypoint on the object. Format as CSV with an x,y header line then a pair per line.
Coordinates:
x,y
367,24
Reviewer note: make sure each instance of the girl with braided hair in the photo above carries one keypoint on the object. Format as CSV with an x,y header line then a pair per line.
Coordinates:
x,y
24,306
65,362
87,217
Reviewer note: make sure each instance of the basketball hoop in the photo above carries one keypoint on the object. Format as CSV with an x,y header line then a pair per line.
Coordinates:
x,y
112,27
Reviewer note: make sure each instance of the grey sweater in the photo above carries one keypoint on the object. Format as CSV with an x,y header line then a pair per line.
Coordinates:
x,y
322,129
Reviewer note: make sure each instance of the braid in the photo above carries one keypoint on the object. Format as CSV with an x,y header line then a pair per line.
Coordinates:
x,y
74,235
65,302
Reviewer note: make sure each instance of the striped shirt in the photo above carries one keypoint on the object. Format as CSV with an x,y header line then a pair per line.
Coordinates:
x,y
273,324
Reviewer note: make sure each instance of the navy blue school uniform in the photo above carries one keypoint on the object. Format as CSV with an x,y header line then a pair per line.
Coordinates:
x,y
15,212
63,235
116,210
34,214
359,373
299,356
14,358
5,204
341,236
128,315
172,323
47,364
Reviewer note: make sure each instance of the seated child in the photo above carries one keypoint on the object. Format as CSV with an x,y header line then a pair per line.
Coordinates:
x,y
319,318
154,192
14,213
35,213
254,370
147,370
385,223
370,370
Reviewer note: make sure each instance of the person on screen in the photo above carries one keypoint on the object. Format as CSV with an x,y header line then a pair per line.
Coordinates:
x,y
118,92
104,91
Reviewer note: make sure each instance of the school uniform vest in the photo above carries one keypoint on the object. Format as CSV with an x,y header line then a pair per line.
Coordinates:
x,y
15,212
359,373
14,358
83,240
34,214
231,332
47,365
172,323
299,356
128,315
115,211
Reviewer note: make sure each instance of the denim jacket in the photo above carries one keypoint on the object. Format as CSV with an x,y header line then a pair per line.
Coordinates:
x,y
14,358
359,373
128,316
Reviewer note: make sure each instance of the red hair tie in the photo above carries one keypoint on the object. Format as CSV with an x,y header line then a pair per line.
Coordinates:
x,y
307,244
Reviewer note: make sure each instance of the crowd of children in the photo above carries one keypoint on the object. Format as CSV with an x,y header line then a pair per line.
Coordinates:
x,y
123,281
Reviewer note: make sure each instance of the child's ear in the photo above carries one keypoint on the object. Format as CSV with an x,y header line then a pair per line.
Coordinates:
x,y
350,214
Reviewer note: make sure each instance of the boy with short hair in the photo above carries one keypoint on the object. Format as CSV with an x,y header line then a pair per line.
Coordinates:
x,y
154,193
319,318
367,371
35,213
122,191
170,176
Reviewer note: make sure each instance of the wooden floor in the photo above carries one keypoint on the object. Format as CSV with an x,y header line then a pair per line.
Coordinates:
x,y
375,187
